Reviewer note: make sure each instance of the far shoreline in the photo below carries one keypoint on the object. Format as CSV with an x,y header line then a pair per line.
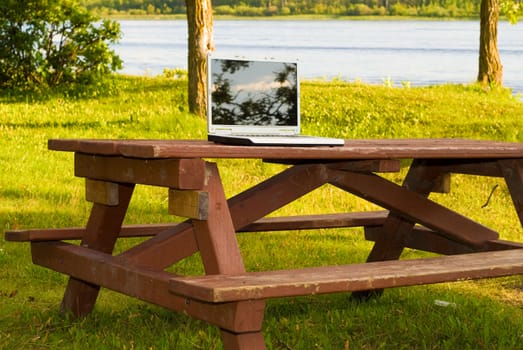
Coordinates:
x,y
125,17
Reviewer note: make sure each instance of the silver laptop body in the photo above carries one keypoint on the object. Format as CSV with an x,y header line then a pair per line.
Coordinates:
x,y
256,102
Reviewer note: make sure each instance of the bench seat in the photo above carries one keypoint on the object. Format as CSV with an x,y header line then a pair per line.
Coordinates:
x,y
348,278
301,222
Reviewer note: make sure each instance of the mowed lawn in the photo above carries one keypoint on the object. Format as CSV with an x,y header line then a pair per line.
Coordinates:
x,y
38,190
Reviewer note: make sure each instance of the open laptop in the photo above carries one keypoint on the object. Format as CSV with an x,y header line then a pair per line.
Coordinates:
x,y
256,102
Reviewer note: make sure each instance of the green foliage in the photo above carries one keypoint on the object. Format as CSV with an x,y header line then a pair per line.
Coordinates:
x,y
53,42
429,8
38,190
432,8
512,9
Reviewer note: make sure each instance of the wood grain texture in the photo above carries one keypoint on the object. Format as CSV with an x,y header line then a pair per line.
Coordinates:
x,y
353,149
345,278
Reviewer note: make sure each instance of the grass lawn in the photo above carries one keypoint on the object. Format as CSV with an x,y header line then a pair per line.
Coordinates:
x,y
38,190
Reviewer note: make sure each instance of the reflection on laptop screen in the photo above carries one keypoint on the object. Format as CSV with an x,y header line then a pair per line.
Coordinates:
x,y
254,93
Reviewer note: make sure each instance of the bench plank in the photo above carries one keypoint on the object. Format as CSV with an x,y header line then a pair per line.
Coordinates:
x,y
308,222
355,277
301,222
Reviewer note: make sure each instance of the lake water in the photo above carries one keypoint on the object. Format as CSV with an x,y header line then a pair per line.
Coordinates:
x,y
418,52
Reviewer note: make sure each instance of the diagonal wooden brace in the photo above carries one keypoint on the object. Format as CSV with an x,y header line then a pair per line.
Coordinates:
x,y
412,206
165,248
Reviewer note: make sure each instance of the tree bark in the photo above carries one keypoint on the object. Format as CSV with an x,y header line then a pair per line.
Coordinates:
x,y
490,68
200,28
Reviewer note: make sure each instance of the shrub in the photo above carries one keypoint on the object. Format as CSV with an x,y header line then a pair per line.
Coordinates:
x,y
244,10
359,10
223,10
285,11
433,11
53,42
402,10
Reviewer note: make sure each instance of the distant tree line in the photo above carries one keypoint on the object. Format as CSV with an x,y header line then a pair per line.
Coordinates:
x,y
428,8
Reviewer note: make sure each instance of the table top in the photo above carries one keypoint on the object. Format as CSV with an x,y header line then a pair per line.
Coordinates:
x,y
353,149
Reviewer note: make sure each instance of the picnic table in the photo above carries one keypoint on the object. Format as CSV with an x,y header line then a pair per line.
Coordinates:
x,y
227,295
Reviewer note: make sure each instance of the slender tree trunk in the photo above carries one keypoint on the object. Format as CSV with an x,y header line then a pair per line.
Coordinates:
x,y
490,68
200,27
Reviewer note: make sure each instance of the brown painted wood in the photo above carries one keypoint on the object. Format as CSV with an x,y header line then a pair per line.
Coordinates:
x,y
500,244
513,172
412,206
145,284
481,167
422,178
373,165
174,173
308,222
245,341
189,204
331,279
285,223
275,192
233,298
101,233
102,192
422,238
76,233
215,236
245,208
353,149
165,248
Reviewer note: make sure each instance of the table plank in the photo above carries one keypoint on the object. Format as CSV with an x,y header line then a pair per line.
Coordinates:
x,y
353,149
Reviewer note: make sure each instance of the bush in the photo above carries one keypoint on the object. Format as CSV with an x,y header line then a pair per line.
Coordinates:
x,y
53,42
403,10
359,10
433,11
244,10
223,10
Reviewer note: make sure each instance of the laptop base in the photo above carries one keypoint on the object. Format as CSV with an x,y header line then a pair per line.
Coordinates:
x,y
289,140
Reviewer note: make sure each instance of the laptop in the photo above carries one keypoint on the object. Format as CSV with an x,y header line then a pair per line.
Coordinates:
x,y
256,102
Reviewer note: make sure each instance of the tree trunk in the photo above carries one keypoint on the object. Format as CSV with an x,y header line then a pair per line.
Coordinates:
x,y
490,68
200,27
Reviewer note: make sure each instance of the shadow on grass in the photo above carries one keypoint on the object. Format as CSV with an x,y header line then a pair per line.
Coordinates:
x,y
114,85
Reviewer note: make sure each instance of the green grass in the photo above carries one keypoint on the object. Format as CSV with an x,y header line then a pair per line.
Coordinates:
x,y
38,190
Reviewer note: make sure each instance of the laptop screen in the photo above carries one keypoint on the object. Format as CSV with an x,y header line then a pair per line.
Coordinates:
x,y
247,93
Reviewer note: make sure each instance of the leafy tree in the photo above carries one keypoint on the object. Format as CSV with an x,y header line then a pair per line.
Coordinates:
x,y
52,42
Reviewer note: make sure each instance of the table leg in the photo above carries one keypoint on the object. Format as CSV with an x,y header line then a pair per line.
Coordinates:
x,y
390,245
419,179
216,236
101,233
220,253
246,341
512,170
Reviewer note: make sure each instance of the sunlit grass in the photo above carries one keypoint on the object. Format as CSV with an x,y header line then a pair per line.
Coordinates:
x,y
38,190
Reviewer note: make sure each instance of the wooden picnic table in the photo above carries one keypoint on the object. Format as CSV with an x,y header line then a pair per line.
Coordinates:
x,y
227,295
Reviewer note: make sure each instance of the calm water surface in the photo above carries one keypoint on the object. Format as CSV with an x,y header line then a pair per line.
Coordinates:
x,y
419,52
